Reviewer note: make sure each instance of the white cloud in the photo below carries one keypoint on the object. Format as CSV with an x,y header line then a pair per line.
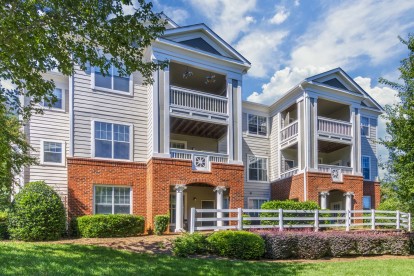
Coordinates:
x,y
348,32
297,3
282,81
179,16
228,18
250,19
280,16
7,84
260,48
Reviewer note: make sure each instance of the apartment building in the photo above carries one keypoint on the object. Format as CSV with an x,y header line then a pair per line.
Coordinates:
x,y
113,145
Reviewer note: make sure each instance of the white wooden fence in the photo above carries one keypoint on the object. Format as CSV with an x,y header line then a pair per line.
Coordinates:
x,y
206,219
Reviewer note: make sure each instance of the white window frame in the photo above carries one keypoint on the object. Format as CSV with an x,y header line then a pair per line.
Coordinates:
x,y
113,204
104,89
63,109
178,142
362,168
370,201
369,125
284,163
131,139
248,169
255,198
257,134
42,145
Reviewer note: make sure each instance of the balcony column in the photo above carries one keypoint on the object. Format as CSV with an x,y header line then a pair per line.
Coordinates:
x,y
219,198
357,143
324,200
315,133
348,200
230,144
179,207
166,110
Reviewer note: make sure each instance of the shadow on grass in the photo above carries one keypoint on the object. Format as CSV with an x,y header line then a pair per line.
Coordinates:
x,y
53,259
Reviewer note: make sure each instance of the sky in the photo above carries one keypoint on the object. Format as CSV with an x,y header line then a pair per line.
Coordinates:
x,y
289,40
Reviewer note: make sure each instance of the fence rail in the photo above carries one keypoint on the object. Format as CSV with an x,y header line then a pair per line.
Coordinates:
x,y
283,219
332,126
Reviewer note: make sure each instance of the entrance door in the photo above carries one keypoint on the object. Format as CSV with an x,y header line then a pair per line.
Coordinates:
x,y
207,204
336,206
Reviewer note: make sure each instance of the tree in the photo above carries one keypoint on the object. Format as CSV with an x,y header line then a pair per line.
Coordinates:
x,y
400,126
38,36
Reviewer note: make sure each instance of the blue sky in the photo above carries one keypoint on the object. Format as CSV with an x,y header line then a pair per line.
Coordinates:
x,y
289,40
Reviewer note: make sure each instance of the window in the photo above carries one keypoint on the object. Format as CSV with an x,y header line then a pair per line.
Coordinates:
x,y
52,152
257,125
365,126
366,202
58,104
257,168
112,200
174,144
255,203
112,140
111,81
366,167
289,164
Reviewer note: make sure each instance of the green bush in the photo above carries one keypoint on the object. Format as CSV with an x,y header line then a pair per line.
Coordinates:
x,y
190,244
161,224
37,214
246,222
288,205
3,226
237,244
106,226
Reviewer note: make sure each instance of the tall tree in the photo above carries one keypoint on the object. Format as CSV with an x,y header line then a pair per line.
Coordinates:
x,y
38,36
400,129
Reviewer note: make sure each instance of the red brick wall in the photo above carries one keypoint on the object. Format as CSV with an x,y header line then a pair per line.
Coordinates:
x,y
150,182
84,173
288,188
372,188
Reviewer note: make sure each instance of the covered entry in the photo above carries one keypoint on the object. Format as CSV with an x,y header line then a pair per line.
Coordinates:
x,y
336,200
199,196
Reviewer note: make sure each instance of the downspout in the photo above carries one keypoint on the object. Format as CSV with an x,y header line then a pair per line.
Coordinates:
x,y
71,115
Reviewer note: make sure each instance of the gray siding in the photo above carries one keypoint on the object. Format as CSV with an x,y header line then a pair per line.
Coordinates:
x,y
53,125
113,107
259,146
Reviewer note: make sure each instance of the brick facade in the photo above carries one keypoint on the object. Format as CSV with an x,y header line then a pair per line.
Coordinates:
x,y
293,188
150,182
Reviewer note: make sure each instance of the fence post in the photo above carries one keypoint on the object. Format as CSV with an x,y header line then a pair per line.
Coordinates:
x,y
372,219
192,220
398,219
239,219
316,220
409,222
347,220
280,220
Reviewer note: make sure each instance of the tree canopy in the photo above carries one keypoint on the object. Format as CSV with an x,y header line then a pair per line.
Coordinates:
x,y
400,126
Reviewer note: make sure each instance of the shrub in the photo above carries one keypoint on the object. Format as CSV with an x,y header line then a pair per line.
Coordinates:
x,y
161,224
190,244
237,244
281,246
288,205
315,247
342,245
3,226
106,226
246,222
37,214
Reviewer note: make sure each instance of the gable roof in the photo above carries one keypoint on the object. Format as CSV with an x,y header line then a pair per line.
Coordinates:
x,y
201,37
344,80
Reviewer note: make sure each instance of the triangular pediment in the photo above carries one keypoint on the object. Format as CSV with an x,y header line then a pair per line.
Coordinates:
x,y
201,38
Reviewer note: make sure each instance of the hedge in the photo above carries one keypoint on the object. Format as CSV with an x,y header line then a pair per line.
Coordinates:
x,y
37,214
287,205
161,224
3,226
311,245
237,244
190,244
106,226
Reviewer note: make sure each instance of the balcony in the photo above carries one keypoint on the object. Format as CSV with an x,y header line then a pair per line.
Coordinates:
x,y
334,129
289,133
201,161
329,168
289,173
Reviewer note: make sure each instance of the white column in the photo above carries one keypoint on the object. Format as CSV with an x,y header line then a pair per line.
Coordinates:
x,y
219,198
230,133
354,141
166,110
179,207
324,200
348,200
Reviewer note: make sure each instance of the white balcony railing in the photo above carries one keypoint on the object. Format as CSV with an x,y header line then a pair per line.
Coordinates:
x,y
289,131
289,173
328,168
182,97
332,126
201,160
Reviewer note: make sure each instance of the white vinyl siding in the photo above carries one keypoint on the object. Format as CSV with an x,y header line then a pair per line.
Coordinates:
x,y
111,107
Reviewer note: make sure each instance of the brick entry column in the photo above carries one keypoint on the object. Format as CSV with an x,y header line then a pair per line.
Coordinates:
x,y
179,207
219,198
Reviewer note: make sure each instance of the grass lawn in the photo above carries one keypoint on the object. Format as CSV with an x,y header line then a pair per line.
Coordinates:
x,y
64,259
